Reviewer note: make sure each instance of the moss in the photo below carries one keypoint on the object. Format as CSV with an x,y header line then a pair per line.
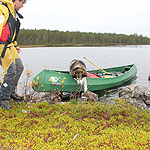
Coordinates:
x,y
74,126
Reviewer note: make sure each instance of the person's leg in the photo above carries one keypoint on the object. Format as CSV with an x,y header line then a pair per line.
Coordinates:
x,y
19,70
8,79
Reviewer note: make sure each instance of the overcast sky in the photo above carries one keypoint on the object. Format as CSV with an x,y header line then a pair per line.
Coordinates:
x,y
100,16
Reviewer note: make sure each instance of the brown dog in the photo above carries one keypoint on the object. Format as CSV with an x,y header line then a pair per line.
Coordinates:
x,y
78,69
78,72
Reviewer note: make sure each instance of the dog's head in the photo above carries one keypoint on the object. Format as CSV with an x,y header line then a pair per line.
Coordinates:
x,y
78,70
79,73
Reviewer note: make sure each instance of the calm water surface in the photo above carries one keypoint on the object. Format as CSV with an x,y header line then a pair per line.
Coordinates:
x,y
59,58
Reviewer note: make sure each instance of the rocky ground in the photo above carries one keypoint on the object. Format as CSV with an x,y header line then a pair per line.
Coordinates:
x,y
136,94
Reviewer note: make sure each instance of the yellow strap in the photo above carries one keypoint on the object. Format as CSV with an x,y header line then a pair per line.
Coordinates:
x,y
95,65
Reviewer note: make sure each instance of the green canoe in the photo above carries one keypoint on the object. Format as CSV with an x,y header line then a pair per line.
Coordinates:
x,y
53,80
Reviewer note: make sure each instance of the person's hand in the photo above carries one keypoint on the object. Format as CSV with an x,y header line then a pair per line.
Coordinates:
x,y
18,50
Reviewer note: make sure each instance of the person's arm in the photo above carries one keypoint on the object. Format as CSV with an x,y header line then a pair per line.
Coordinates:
x,y
17,47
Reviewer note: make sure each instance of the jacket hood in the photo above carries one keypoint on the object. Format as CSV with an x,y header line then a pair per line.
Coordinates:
x,y
6,1
10,5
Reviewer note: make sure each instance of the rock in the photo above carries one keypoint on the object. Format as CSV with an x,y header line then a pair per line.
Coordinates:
x,y
107,101
137,95
82,99
138,103
51,97
147,102
89,96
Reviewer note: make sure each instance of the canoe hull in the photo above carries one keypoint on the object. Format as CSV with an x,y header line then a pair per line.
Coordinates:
x,y
52,80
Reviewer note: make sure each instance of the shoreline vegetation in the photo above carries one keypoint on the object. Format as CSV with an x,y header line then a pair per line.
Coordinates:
x,y
55,38
78,45
72,45
74,126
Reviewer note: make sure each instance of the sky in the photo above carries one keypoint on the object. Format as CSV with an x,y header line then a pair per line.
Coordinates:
x,y
99,16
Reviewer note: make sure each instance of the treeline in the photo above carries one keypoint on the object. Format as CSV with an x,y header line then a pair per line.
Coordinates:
x,y
54,38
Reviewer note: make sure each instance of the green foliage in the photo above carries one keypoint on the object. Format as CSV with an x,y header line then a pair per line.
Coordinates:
x,y
74,101
60,38
68,126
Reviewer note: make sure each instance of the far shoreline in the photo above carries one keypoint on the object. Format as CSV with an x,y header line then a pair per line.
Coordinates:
x,y
78,45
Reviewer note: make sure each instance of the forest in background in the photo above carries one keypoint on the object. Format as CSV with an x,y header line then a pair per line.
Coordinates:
x,y
76,38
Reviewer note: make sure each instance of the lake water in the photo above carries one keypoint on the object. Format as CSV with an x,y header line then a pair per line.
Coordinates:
x,y
59,58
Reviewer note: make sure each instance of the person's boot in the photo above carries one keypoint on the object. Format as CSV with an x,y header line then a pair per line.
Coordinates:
x,y
16,97
5,103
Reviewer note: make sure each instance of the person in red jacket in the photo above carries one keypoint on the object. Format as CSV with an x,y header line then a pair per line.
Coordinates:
x,y
9,57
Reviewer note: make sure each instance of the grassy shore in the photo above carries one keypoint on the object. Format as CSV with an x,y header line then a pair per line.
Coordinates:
x,y
74,45
75,126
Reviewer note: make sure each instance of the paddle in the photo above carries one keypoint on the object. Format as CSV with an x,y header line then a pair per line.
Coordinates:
x,y
96,65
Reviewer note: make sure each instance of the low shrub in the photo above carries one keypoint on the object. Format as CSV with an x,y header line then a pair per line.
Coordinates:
x,y
30,126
